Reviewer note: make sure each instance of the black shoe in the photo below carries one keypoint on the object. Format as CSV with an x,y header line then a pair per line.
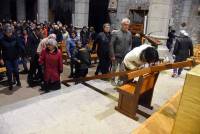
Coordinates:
x,y
10,87
70,76
24,72
96,73
19,84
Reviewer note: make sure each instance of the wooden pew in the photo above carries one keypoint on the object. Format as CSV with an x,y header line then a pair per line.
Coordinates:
x,y
136,93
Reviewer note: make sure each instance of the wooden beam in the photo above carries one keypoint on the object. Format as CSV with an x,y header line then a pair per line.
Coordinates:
x,y
135,73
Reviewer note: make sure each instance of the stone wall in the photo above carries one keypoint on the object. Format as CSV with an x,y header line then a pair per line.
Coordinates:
x,y
123,8
185,11
80,16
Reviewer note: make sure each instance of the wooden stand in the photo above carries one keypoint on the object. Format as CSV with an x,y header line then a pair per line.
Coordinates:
x,y
136,93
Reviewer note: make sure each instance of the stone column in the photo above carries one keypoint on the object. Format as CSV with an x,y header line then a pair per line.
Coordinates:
x,y
43,10
160,12
159,17
21,10
186,9
81,14
122,6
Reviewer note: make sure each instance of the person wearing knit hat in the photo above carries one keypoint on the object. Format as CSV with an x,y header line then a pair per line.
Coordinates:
x,y
51,59
184,33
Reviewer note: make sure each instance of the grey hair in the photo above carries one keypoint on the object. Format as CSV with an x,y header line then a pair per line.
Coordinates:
x,y
125,20
52,42
52,36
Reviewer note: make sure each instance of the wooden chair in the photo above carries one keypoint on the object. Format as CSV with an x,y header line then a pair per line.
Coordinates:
x,y
94,57
2,69
136,93
64,51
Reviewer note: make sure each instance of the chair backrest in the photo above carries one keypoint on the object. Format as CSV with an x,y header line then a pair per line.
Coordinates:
x,y
147,82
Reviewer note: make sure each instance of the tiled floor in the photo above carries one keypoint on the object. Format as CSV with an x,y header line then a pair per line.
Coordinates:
x,y
79,110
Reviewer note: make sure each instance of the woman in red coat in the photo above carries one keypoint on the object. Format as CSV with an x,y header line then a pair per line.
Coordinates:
x,y
51,59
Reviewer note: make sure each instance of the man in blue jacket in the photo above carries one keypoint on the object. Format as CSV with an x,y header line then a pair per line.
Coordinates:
x,y
70,45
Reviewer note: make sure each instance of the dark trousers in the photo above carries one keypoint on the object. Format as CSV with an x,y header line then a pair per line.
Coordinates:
x,y
79,73
178,70
103,65
12,70
35,71
24,63
72,66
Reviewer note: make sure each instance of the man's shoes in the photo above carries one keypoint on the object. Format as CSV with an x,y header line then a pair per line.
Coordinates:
x,y
19,84
113,83
175,75
70,76
24,72
10,87
96,73
120,83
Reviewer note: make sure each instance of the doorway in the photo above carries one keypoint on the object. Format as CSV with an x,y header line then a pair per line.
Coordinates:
x,y
31,10
138,20
98,14
13,9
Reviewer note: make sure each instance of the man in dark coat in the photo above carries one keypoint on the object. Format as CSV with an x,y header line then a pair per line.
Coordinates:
x,y
103,40
84,36
171,37
9,52
183,49
136,41
35,72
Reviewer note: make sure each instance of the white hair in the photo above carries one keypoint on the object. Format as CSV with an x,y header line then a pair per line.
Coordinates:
x,y
52,42
124,20
52,36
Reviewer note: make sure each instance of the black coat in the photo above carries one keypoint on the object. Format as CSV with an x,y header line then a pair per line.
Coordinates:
x,y
136,42
10,48
32,44
84,56
102,41
183,48
84,38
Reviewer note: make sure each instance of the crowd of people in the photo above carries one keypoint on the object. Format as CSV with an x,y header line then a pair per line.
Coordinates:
x,y
28,41
38,44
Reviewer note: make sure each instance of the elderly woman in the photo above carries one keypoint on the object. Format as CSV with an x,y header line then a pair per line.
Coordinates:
x,y
43,43
51,59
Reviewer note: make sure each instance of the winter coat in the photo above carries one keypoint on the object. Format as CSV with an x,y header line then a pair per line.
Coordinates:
x,y
32,44
136,42
183,48
70,45
102,40
84,36
84,56
10,48
53,65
